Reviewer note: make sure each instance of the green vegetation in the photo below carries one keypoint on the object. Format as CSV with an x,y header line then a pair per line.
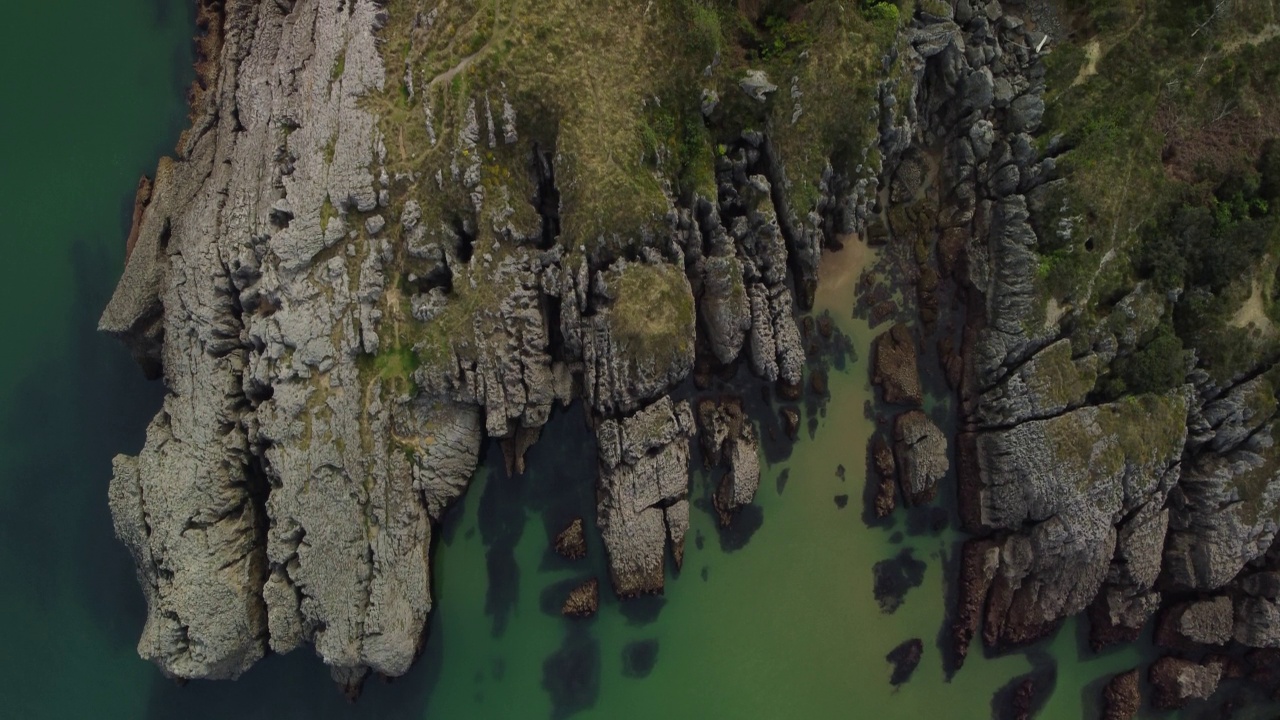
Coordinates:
x,y
653,313
1170,114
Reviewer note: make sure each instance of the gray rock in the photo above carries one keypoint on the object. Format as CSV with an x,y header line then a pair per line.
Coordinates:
x,y
921,454
644,467
756,85
1025,113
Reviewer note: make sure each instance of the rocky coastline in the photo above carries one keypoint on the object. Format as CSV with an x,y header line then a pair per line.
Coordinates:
x,y
336,354
337,350
1156,508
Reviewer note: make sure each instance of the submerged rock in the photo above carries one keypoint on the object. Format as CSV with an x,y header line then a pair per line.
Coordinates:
x,y
905,658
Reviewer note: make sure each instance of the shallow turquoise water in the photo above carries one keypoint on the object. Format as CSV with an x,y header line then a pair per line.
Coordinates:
x,y
785,626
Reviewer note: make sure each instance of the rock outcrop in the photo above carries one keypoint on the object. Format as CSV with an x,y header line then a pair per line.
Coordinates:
x,y
1175,681
729,439
1085,494
343,304
894,367
920,450
1122,698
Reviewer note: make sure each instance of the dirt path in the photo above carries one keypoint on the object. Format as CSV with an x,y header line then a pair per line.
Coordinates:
x,y
1268,32
1092,53
1253,313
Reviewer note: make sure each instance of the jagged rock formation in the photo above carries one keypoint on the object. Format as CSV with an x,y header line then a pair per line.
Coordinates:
x,y
348,278
729,439
1083,497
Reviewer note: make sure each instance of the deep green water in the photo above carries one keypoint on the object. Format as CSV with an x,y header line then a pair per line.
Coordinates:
x,y
785,626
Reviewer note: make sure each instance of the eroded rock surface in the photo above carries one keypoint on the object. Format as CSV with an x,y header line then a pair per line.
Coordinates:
x,y
344,304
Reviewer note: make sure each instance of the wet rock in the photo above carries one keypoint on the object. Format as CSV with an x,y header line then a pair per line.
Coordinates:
x,y
1122,699
841,501
979,562
884,475
894,367
1175,682
905,658
583,600
920,451
571,543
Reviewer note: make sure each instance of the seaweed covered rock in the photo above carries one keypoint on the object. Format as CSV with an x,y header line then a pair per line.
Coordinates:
x,y
894,366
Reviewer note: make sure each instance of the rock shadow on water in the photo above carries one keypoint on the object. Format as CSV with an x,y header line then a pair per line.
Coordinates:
x,y
571,674
642,610
783,477
735,536
639,657
64,422
927,520
895,577
501,519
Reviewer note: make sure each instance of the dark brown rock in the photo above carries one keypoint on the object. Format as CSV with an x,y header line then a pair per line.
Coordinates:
x,y
583,601
895,367
1121,699
979,559
905,658
818,382
1176,681
571,543
884,475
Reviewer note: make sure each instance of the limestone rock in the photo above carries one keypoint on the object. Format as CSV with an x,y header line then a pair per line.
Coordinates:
x,y
921,454
644,471
728,438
